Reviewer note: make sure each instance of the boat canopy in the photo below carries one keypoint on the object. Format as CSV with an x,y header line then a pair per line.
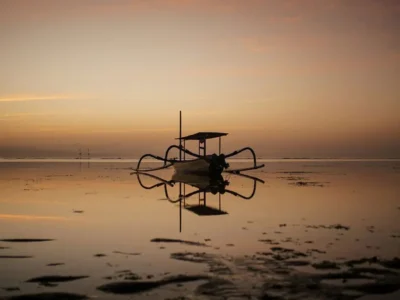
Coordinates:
x,y
201,136
203,210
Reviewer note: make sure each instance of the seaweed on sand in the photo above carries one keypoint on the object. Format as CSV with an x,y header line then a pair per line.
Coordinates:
x,y
100,255
11,289
55,264
269,242
190,243
127,253
307,183
326,265
334,226
15,256
55,278
214,264
286,253
26,240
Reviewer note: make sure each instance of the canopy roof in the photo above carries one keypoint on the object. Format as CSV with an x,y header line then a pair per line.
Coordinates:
x,y
203,136
203,210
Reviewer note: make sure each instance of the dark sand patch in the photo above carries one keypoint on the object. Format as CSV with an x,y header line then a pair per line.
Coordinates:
x,y
55,264
125,275
310,251
269,242
100,255
388,263
11,289
190,243
361,261
379,287
55,278
373,271
222,289
265,253
48,284
334,226
391,263
49,296
127,253
133,287
77,211
214,263
326,265
281,253
371,229
15,256
293,178
26,240
307,183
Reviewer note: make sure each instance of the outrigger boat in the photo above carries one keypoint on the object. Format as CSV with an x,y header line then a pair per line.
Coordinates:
x,y
201,163
199,185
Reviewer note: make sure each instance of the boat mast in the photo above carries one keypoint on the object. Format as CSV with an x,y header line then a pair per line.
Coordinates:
x,y
180,135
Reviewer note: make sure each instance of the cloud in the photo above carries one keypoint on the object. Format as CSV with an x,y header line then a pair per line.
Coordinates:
x,y
32,217
19,98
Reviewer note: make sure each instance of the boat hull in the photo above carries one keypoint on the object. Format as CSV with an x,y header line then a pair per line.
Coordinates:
x,y
197,166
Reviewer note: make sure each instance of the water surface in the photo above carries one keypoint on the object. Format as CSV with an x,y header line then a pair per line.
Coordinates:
x,y
94,219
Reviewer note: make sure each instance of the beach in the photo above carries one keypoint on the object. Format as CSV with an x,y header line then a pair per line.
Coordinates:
x,y
304,229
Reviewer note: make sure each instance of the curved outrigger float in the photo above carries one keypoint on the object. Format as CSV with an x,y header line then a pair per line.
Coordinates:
x,y
201,163
201,186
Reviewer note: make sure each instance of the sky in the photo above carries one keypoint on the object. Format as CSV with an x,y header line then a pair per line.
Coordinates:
x,y
291,78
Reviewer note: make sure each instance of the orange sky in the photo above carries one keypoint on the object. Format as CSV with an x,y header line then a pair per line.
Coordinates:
x,y
292,78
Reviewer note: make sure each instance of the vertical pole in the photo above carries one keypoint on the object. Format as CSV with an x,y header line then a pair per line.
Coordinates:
x,y
180,206
184,147
180,135
180,215
219,148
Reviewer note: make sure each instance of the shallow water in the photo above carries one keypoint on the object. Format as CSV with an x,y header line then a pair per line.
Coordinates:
x,y
100,221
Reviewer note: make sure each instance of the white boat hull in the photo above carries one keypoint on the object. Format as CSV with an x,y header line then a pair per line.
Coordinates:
x,y
196,166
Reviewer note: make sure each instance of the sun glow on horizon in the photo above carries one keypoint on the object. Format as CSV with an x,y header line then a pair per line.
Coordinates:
x,y
294,78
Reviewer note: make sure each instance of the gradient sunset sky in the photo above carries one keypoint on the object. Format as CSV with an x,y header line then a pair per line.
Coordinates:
x,y
292,78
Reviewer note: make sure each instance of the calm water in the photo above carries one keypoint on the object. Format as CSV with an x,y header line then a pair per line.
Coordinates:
x,y
101,222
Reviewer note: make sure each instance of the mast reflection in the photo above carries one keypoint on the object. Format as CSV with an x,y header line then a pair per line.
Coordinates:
x,y
200,186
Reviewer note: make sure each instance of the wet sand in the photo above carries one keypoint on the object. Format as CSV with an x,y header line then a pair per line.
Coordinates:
x,y
314,229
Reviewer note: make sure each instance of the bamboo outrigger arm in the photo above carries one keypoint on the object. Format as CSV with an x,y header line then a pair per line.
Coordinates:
x,y
181,149
166,160
162,181
181,197
237,171
171,183
170,161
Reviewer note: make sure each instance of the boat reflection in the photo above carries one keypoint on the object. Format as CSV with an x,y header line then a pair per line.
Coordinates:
x,y
200,186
